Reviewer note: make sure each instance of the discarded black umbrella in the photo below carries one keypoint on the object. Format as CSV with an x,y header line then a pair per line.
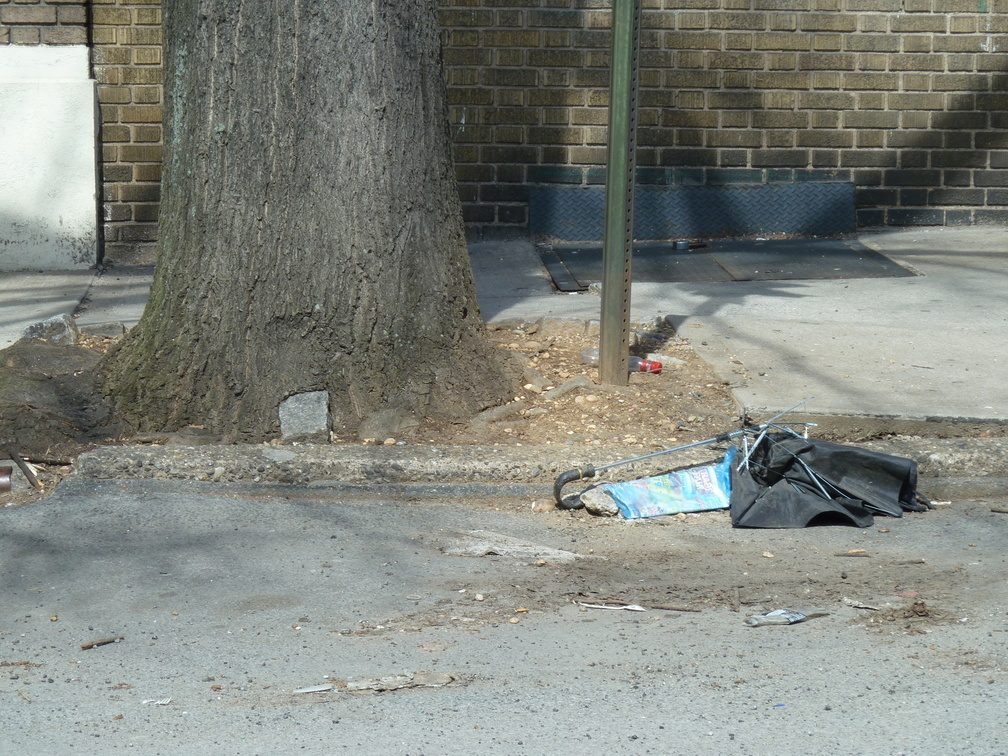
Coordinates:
x,y
786,481
590,471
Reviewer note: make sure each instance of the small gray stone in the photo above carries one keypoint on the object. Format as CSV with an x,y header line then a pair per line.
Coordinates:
x,y
59,329
537,379
502,412
598,502
571,385
305,414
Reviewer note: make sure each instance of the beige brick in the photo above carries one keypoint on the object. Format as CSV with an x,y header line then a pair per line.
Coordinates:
x,y
826,61
827,42
555,78
783,22
916,101
147,172
736,80
71,14
916,62
914,22
147,56
781,80
837,22
464,38
917,43
688,59
782,61
110,16
27,14
509,57
115,95
868,22
869,139
687,20
960,62
145,75
147,95
780,140
147,133
64,35
504,38
147,16
916,82
734,119
557,97
825,138
105,55
871,100
140,153
554,38
737,20
773,41
871,43
872,62
142,35
146,212
781,100
825,119
559,58
111,133
588,155
738,41
683,40
141,114
870,81
825,80
829,100
692,100
753,61
729,137
769,119
958,43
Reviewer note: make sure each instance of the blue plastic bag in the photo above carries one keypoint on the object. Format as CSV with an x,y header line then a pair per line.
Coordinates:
x,y
698,489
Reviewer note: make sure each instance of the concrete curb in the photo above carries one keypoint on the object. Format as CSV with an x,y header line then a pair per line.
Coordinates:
x,y
948,468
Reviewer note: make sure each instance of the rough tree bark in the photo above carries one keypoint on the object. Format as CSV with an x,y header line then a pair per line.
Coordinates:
x,y
310,230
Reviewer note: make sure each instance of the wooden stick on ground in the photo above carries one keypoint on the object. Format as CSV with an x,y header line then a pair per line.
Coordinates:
x,y
102,642
24,467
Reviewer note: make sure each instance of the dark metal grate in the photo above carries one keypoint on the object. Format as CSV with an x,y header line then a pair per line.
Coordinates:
x,y
577,213
574,267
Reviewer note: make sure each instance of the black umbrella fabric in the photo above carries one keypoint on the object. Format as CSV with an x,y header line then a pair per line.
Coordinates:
x,y
792,482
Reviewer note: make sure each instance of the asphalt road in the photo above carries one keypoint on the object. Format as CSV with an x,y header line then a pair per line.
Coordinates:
x,y
227,604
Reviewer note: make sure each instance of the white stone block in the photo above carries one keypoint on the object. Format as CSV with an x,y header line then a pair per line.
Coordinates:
x,y
48,159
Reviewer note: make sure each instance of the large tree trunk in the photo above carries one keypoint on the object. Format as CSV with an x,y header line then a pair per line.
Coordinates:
x,y
310,232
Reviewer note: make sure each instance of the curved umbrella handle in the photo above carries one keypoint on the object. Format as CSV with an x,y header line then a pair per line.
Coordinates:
x,y
581,473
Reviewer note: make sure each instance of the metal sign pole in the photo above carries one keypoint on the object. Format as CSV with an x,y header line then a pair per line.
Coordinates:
x,y
617,250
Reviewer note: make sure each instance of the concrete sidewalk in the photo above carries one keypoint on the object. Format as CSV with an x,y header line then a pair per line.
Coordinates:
x,y
933,346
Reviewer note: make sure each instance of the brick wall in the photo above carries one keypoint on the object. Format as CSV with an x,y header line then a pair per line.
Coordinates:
x,y
45,22
908,99
127,66
905,98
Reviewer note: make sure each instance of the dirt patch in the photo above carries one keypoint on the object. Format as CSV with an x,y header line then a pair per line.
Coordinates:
x,y
563,402
49,417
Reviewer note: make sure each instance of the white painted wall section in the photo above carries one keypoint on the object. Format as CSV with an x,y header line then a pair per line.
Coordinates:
x,y
48,160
